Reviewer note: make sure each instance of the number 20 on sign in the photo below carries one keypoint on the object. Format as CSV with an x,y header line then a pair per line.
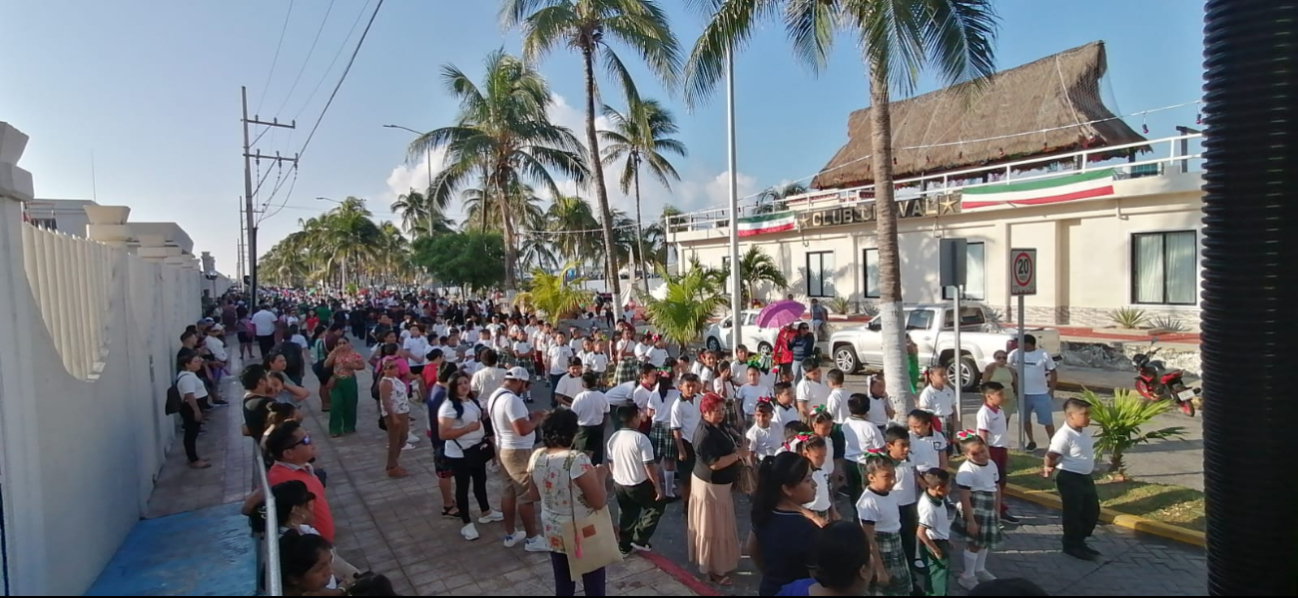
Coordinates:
x,y
1023,272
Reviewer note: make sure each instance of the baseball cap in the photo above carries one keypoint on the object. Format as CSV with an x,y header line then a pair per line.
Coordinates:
x,y
518,373
218,328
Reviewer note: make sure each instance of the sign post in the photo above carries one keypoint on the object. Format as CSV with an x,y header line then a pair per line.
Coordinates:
x,y
1023,282
953,274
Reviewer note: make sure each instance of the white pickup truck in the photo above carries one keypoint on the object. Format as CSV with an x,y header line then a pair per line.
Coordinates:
x,y
931,327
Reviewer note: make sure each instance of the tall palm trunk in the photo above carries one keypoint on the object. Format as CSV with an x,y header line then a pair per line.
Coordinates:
x,y
890,303
639,230
507,230
597,172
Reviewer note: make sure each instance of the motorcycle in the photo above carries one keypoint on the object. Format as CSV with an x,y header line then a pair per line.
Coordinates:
x,y
1156,382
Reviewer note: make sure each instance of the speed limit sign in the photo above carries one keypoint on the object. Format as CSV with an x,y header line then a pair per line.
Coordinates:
x,y
1023,272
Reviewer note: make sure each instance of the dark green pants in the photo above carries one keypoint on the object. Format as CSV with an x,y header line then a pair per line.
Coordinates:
x,y
639,512
937,569
590,439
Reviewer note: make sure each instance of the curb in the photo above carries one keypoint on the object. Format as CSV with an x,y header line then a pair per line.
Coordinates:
x,y
1131,522
1079,387
679,573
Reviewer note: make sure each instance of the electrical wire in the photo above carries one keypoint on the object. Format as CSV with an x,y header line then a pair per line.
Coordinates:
x,y
275,60
343,46
306,62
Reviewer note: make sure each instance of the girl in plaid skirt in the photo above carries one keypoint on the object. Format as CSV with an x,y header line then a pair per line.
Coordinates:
x,y
980,507
660,435
881,519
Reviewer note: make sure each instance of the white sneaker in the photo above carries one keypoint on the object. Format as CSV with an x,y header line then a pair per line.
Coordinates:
x,y
494,515
408,447
968,582
513,539
412,438
469,532
984,575
536,544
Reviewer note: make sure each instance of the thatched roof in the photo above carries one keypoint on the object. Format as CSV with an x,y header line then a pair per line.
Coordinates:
x,y
931,133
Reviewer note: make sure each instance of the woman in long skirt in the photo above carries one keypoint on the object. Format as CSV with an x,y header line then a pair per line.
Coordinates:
x,y
713,537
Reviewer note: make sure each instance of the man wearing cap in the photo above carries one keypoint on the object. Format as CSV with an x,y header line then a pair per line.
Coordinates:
x,y
516,436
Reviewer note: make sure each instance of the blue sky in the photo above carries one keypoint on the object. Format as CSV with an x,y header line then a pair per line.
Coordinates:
x,y
151,87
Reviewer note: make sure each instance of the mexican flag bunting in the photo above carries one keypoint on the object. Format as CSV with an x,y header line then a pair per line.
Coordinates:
x,y
1083,185
761,224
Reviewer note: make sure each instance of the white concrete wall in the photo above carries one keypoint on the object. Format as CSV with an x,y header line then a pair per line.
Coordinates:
x,y
87,339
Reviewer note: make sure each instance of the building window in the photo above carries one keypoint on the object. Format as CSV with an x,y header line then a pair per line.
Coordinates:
x,y
975,285
47,223
1164,268
820,274
871,278
725,263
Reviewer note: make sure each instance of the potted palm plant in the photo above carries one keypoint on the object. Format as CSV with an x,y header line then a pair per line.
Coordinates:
x,y
690,301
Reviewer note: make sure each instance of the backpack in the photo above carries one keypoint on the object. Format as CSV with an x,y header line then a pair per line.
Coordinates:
x,y
174,400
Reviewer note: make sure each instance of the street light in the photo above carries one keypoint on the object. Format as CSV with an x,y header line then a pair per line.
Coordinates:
x,y
327,199
429,191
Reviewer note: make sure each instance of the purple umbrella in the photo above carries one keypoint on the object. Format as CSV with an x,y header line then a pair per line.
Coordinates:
x,y
778,314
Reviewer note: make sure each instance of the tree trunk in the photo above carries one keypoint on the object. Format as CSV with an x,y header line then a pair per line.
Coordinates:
x,y
639,231
890,301
507,231
486,193
597,172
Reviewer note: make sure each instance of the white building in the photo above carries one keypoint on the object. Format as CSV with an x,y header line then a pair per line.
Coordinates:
x,y
1115,218
63,215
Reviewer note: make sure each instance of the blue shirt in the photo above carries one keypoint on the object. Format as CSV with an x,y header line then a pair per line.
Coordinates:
x,y
785,543
434,402
802,587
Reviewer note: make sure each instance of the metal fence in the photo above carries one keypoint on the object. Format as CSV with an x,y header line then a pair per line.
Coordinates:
x,y
268,552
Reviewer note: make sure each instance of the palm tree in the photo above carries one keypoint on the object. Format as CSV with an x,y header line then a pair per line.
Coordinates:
x,y
504,135
420,216
550,294
756,267
767,198
586,26
897,38
690,302
641,137
571,219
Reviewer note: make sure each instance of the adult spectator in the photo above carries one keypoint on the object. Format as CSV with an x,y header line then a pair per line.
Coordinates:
x,y
802,345
461,425
486,380
290,446
640,499
276,364
819,316
263,323
345,362
570,489
516,435
441,465
394,407
782,537
191,390
256,399
1038,386
306,564
713,539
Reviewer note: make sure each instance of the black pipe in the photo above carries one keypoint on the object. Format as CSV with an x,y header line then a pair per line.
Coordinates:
x,y
1249,303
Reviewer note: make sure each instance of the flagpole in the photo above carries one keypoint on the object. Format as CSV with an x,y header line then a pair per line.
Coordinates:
x,y
736,296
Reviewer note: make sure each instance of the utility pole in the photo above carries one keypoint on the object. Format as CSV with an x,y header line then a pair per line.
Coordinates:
x,y
240,261
247,190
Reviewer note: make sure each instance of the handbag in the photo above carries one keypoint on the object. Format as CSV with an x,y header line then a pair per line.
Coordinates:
x,y
590,543
746,481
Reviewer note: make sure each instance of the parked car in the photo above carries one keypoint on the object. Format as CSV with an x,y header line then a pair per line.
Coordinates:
x,y
931,328
761,340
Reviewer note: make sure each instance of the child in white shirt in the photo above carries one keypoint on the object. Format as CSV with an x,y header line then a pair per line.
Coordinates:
x,y
927,446
934,532
811,392
980,500
815,449
897,445
785,410
751,393
881,411
880,518
859,437
836,402
763,439
992,427
939,399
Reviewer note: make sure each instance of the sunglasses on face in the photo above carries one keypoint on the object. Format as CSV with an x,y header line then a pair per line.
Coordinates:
x,y
306,441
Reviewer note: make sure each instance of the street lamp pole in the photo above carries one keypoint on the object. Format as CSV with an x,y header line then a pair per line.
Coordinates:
x,y
736,294
429,191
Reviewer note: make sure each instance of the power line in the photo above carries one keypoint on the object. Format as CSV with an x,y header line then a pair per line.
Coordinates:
x,y
309,53
274,60
337,55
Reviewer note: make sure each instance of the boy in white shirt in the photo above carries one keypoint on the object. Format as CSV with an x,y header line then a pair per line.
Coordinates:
x,y
939,399
763,438
590,405
1072,456
569,384
750,393
657,356
979,506
785,409
991,426
594,361
811,392
685,420
836,402
880,518
935,529
557,357
859,438
897,444
634,470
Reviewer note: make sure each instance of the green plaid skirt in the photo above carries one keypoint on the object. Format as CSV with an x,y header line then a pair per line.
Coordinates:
x,y
628,370
989,521
895,562
664,445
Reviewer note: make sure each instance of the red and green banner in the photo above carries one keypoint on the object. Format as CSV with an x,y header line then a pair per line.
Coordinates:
x,y
776,222
1083,185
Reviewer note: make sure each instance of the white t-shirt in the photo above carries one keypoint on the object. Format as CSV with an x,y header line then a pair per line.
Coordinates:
x,y
882,509
783,415
641,396
905,488
994,423
299,340
628,452
686,418
507,408
559,356
471,414
418,348
878,414
938,402
706,376
575,344
595,361
749,394
264,322
657,357
925,451
662,406
813,393
569,386
486,380
522,348
821,480
1076,450
764,441
1036,367
859,435
724,388
590,407
623,394
217,348
624,347
935,517
977,478
470,367
642,350
836,404
189,383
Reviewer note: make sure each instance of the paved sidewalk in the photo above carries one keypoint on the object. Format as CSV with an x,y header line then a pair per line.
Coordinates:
x,y
393,527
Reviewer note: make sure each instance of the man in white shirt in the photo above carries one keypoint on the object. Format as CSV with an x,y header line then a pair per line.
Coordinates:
x,y
215,345
811,393
1038,385
264,328
685,419
640,498
591,406
1072,455
516,437
487,379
